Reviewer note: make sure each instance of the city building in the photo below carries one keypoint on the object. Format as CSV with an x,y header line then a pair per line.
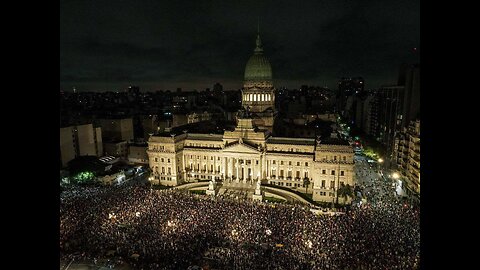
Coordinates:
x,y
80,140
195,117
138,153
258,93
408,157
217,88
117,129
390,104
116,148
249,152
348,87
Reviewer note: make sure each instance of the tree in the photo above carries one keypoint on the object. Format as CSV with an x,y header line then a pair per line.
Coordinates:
x,y
345,191
306,183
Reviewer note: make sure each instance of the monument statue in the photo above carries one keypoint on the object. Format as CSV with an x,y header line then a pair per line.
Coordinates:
x,y
210,185
257,189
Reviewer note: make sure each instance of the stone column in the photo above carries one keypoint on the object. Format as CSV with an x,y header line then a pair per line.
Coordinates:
x,y
236,165
224,167
253,169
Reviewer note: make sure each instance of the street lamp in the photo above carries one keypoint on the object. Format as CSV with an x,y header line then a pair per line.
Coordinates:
x,y
379,166
395,175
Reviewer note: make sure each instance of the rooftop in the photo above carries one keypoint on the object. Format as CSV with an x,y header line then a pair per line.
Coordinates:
x,y
334,141
208,137
284,140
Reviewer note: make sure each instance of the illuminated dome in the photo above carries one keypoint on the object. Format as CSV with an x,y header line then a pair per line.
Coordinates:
x,y
258,67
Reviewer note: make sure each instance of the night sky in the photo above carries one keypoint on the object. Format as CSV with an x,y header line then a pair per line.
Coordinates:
x,y
160,45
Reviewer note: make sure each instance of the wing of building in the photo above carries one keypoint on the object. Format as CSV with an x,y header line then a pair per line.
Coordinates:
x,y
250,152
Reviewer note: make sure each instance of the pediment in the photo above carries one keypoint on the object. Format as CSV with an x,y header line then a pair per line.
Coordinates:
x,y
241,148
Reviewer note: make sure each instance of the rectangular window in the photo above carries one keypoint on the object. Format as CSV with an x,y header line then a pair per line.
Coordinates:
x,y
281,173
256,162
298,163
169,170
332,184
281,162
290,163
333,172
298,174
156,159
168,161
163,169
306,164
273,162
334,157
323,183
211,158
324,171
306,174
344,158
204,157
342,173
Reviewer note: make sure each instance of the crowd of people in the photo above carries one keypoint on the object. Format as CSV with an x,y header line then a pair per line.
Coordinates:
x,y
172,229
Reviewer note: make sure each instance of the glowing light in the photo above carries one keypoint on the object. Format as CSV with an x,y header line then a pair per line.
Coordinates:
x,y
268,232
234,232
395,175
309,243
170,223
137,214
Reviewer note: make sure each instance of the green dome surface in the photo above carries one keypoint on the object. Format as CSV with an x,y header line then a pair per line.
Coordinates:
x,y
258,68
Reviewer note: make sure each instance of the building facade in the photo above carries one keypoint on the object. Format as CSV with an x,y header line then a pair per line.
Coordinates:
x,y
258,92
408,156
117,129
80,140
116,149
138,154
250,153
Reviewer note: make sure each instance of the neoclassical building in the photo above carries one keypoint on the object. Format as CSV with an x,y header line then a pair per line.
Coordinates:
x,y
250,152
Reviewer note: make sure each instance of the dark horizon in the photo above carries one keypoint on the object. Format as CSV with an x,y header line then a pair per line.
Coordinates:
x,y
110,45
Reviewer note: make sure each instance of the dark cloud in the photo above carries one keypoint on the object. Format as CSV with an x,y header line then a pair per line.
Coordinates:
x,y
197,43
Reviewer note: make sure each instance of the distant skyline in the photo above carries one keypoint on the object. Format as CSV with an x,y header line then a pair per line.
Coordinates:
x,y
160,45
